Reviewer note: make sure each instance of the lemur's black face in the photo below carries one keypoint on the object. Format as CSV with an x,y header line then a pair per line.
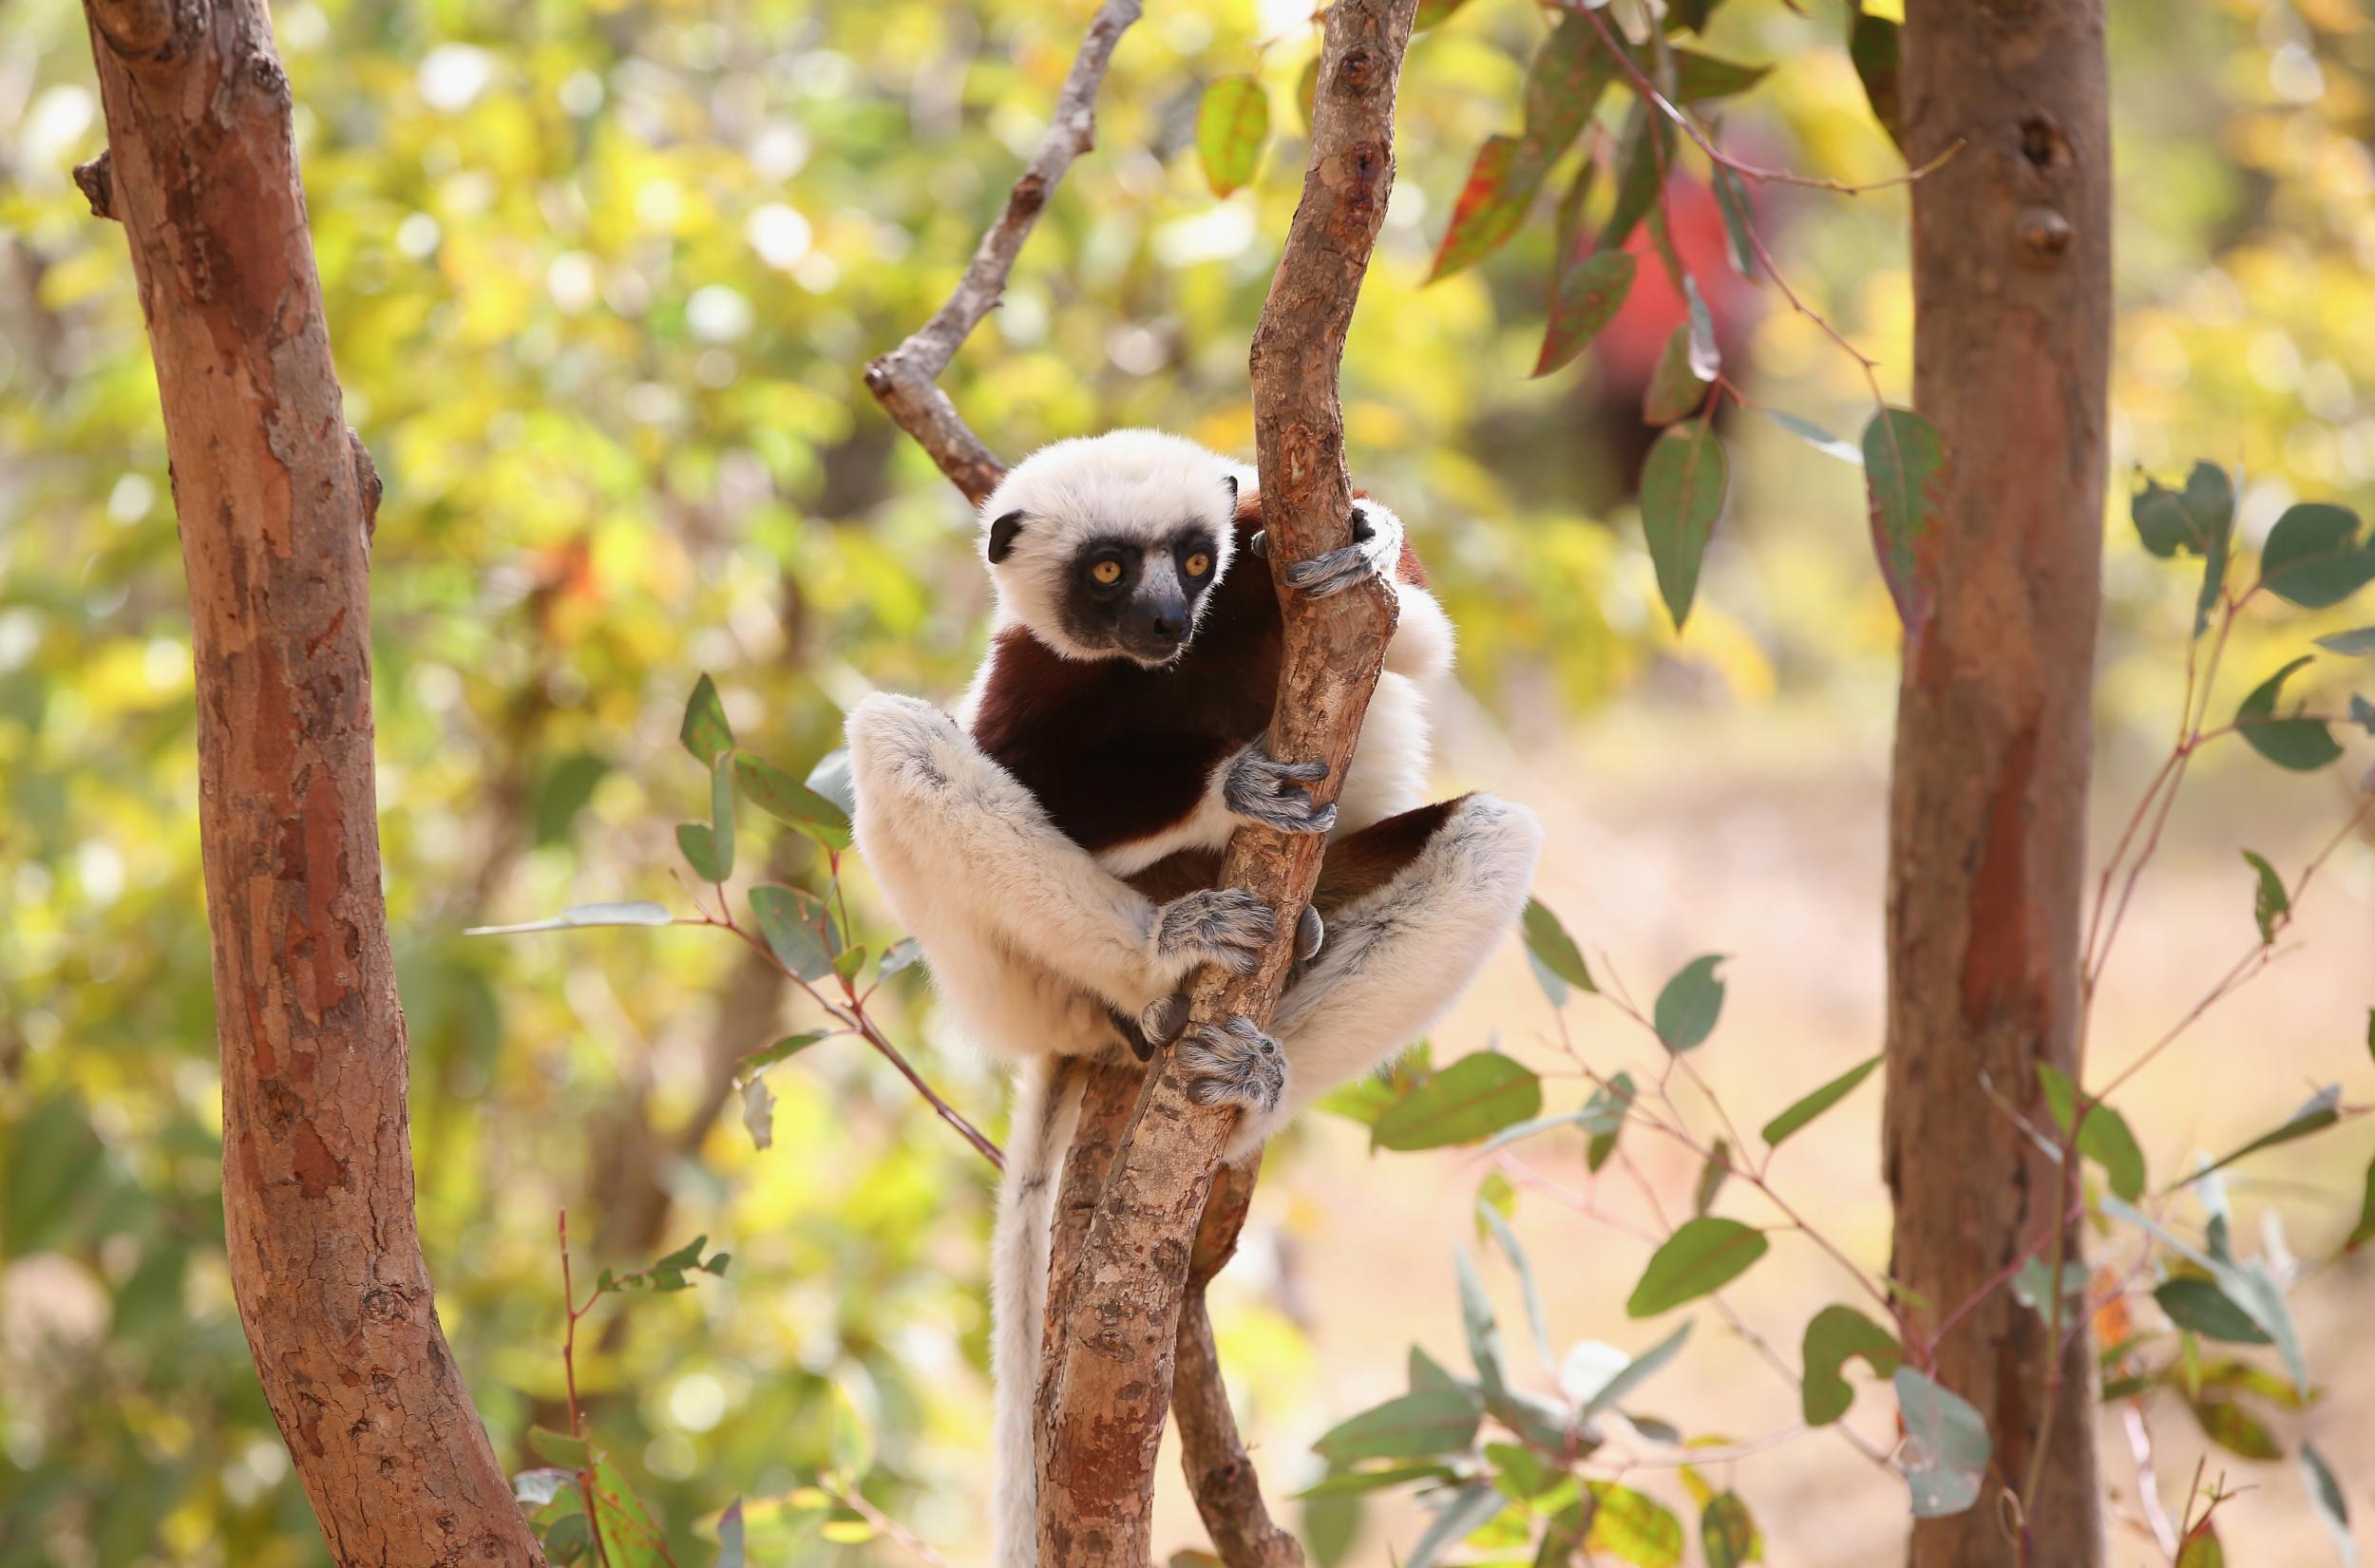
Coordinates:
x,y
1135,596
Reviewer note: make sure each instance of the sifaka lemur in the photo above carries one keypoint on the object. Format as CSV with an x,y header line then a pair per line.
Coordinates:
x,y
1054,847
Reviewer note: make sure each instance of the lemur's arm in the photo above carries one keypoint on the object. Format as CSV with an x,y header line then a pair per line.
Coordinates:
x,y
956,843
1423,642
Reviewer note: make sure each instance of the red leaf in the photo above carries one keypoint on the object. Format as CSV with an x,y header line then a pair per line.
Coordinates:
x,y
1500,190
1588,296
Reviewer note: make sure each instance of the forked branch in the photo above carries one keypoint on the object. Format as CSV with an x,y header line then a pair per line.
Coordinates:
x,y
1111,1389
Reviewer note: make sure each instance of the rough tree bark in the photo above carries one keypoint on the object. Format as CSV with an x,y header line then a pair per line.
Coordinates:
x,y
2012,325
1111,1385
276,498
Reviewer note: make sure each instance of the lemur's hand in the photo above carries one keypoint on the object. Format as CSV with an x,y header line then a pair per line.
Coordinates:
x,y
1376,548
1272,793
1223,925
1234,1064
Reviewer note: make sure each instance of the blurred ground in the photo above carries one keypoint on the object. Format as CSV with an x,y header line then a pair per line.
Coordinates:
x,y
1768,844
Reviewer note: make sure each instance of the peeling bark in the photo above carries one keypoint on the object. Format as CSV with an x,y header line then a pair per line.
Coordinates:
x,y
273,500
1112,1387
2012,318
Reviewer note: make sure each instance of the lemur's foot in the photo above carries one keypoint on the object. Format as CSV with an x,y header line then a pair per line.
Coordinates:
x,y
1310,931
1372,554
1273,793
1163,1018
1223,925
1234,1064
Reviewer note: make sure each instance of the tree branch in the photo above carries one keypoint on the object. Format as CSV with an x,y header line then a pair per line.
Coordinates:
x,y
905,381
1113,1382
272,497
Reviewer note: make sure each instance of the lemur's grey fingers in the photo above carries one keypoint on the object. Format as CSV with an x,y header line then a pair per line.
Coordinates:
x,y
1310,931
1264,790
1332,572
1234,1064
1164,1019
1223,925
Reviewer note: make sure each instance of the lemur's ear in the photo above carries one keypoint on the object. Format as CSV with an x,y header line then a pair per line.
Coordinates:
x,y
1230,480
1002,534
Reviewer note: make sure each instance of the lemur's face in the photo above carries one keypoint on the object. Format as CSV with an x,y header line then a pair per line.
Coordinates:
x,y
1106,548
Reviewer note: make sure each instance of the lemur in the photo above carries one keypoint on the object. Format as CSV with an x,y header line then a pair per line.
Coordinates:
x,y
1054,847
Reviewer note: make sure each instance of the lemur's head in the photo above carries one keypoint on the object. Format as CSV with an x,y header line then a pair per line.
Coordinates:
x,y
1107,547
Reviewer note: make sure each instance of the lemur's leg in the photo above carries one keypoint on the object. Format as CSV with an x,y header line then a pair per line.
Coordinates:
x,y
1426,898
957,842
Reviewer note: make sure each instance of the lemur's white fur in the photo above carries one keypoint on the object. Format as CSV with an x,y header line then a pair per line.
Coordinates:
x,y
1029,937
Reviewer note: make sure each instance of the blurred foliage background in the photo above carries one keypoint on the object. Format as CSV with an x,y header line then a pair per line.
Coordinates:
x,y
600,276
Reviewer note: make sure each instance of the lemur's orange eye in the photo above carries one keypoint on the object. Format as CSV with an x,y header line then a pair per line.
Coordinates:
x,y
1106,572
1198,564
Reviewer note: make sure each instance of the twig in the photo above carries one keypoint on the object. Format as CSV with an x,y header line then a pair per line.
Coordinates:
x,y
906,380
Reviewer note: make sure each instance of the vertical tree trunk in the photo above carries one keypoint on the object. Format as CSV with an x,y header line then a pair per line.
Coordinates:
x,y
275,498
2012,327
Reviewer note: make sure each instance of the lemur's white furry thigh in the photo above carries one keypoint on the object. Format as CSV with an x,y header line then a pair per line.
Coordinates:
x,y
1397,958
1046,1104
969,861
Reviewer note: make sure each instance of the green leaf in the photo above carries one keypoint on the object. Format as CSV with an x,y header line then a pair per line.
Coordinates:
x,y
1519,1472
705,732
2231,1428
800,931
1603,1119
1729,1532
1681,495
1739,213
1633,1526
701,851
1428,1421
2359,642
729,1533
1549,946
782,1050
1689,15
1675,388
1699,77
831,779
1643,153
1473,1098
2364,1230
1945,1449
2313,556
1567,228
2196,1304
1585,298
2200,1548
1635,1372
1904,466
1805,1110
1484,1334
2299,744
2197,518
2269,901
788,800
1491,206
2326,1499
1873,47
904,953
1705,1254
2032,1287
852,1442
2250,1286
1686,1009
1836,1335
1434,13
2105,1138
2363,713
558,1447
562,792
639,913
1470,1509
1426,1374
1307,91
1354,1482
1232,124
1565,83
1819,439
1536,1318
1710,1176
2318,1112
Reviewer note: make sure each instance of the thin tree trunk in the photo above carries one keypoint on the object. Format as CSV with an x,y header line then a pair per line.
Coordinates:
x,y
1113,1381
275,498
2012,328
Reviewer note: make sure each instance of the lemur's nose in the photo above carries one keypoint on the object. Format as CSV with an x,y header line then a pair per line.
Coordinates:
x,y
1170,623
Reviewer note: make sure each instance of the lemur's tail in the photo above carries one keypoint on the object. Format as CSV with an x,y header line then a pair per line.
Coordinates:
x,y
1047,1103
